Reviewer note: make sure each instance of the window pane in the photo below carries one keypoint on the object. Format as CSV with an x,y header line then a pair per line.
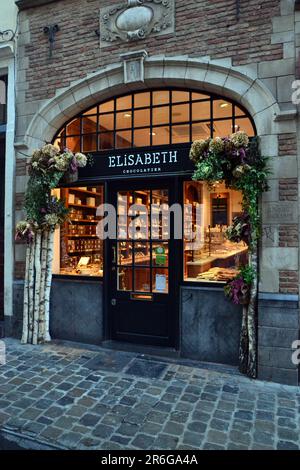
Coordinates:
x,y
78,248
161,135
222,109
244,124
89,124
125,253
160,281
141,100
107,107
238,111
201,130
142,254
201,111
160,254
180,96
125,279
124,103
142,280
161,115
199,96
180,133
74,127
106,122
181,113
161,97
124,120
142,138
89,143
208,255
223,128
123,139
142,118
73,143
106,141
91,111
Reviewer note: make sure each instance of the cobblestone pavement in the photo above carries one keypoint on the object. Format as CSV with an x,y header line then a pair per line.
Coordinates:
x,y
79,397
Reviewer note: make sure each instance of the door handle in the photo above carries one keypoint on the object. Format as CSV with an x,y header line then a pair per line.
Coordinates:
x,y
113,302
114,257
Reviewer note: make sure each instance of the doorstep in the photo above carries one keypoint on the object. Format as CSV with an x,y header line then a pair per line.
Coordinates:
x,y
141,349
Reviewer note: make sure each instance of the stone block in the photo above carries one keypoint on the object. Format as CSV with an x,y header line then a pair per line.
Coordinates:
x,y
287,7
210,326
283,23
280,258
273,194
288,50
283,212
269,280
276,357
282,37
284,88
278,318
71,318
279,375
276,68
277,337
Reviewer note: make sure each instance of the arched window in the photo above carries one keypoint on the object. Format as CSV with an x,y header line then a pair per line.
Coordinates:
x,y
154,118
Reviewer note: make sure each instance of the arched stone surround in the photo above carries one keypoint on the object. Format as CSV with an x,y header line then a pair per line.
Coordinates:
x,y
242,86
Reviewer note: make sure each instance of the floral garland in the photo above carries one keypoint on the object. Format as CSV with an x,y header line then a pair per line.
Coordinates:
x,y
47,167
238,163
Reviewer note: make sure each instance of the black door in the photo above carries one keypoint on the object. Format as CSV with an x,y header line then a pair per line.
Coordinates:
x,y
143,304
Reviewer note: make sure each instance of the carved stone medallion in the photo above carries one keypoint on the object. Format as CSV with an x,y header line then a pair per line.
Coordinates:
x,y
135,20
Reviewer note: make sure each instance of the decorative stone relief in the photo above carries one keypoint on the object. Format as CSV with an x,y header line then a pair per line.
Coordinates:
x,y
134,66
135,20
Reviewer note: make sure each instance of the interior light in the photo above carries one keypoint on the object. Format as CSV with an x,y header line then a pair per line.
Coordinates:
x,y
152,133
127,115
224,105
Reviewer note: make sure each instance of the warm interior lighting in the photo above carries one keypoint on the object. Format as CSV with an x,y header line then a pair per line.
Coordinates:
x,y
224,105
127,115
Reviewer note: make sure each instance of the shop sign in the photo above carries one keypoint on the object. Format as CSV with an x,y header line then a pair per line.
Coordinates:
x,y
139,162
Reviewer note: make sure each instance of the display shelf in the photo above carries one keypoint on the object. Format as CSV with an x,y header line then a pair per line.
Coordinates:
x,y
77,190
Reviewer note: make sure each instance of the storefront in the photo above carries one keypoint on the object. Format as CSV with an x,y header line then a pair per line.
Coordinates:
x,y
133,84
140,146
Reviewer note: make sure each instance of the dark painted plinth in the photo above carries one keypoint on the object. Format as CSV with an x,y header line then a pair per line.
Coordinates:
x,y
76,310
278,328
210,325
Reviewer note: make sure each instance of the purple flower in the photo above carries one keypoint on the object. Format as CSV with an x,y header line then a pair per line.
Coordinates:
x,y
73,165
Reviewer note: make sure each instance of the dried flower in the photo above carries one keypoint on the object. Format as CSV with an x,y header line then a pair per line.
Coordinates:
x,y
216,145
199,149
240,139
81,160
52,220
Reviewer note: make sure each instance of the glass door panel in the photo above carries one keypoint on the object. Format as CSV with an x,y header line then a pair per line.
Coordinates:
x,y
142,255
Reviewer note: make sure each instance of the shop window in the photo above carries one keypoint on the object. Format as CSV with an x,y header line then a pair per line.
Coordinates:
x,y
153,118
208,255
77,249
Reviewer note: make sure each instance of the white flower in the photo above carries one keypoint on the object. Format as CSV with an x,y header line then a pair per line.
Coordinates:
x,y
81,160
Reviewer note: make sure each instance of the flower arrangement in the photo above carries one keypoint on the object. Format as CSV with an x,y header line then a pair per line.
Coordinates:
x,y
50,160
237,162
240,230
44,212
238,290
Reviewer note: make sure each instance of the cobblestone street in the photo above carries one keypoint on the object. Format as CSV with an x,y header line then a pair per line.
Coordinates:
x,y
92,398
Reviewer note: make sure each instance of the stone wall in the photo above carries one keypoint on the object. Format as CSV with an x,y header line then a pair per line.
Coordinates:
x,y
278,328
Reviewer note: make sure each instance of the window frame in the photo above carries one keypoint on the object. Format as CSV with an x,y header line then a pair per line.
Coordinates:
x,y
211,97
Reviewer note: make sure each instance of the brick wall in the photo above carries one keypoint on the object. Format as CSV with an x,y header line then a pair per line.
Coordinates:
x,y
202,28
288,282
287,144
288,189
